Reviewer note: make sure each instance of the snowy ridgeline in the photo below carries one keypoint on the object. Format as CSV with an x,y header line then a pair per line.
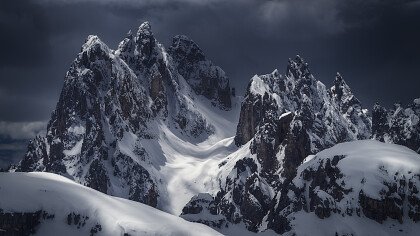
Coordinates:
x,y
54,205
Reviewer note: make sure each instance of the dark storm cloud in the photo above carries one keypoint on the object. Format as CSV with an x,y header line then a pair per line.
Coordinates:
x,y
373,43
24,36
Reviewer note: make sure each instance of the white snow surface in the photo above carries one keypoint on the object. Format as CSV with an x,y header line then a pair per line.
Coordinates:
x,y
367,166
187,167
30,192
365,159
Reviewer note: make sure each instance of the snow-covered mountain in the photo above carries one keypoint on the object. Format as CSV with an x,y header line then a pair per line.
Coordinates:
x,y
283,119
49,204
161,127
117,108
354,188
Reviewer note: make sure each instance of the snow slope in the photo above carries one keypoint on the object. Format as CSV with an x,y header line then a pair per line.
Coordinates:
x,y
192,168
57,195
343,183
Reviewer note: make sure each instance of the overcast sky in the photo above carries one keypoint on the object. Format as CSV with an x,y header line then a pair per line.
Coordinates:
x,y
374,44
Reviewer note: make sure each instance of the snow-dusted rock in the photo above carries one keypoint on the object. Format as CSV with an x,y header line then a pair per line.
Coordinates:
x,y
360,179
203,77
400,125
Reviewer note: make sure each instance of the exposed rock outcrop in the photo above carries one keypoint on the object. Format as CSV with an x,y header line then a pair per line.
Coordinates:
x,y
400,125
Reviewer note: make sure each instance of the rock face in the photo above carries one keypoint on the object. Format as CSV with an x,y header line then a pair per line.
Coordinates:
x,y
400,125
359,179
25,223
110,109
283,119
204,77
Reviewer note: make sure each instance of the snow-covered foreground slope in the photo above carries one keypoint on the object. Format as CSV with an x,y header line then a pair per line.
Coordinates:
x,y
69,208
358,188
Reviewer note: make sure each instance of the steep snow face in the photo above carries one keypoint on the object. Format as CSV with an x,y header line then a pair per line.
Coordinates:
x,y
283,119
59,206
115,110
400,125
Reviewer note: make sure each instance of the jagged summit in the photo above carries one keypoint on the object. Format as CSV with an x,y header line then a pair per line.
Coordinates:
x,y
298,68
400,125
340,87
283,119
203,76
105,131
92,42
145,28
185,48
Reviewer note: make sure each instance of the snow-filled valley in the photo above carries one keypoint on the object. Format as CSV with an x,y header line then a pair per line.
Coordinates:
x,y
192,168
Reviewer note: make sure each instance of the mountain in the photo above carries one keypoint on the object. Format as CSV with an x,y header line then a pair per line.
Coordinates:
x,y
400,125
356,188
283,119
116,109
58,205
353,188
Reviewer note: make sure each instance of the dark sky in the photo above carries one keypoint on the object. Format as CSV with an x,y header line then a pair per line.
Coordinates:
x,y
374,44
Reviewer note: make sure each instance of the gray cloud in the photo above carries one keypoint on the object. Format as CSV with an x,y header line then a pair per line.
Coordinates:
x,y
22,130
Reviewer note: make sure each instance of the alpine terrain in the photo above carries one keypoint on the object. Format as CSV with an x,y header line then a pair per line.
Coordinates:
x,y
148,125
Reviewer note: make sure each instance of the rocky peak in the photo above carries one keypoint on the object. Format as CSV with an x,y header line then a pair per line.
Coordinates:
x,y
94,44
298,68
93,49
351,108
145,41
112,108
283,119
400,125
185,50
200,73
340,87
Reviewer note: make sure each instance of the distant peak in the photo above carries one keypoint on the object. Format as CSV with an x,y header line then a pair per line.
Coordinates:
x,y
339,81
93,42
298,68
145,25
145,29
182,46
338,76
185,43
298,58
